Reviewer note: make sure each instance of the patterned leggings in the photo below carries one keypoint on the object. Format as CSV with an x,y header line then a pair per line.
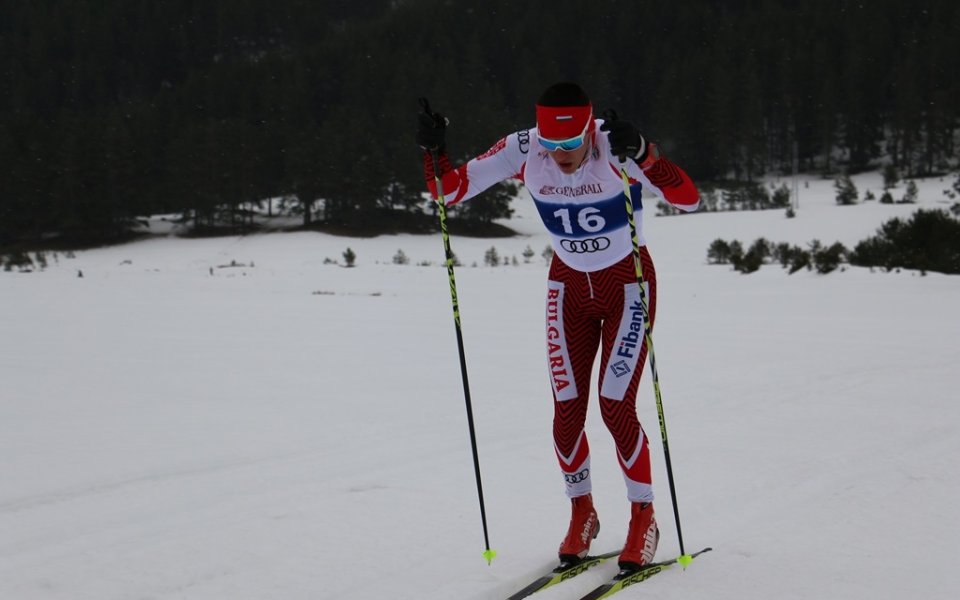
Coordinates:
x,y
586,312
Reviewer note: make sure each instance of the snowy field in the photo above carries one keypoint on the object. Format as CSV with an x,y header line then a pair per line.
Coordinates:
x,y
172,427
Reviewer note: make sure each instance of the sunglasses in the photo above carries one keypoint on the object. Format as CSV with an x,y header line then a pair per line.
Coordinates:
x,y
568,144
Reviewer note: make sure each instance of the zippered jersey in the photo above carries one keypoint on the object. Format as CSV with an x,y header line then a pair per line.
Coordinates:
x,y
585,211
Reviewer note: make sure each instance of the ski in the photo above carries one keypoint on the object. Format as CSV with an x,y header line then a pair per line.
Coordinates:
x,y
625,579
563,573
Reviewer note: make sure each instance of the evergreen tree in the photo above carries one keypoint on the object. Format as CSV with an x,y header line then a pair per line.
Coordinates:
x,y
846,190
910,195
491,257
349,257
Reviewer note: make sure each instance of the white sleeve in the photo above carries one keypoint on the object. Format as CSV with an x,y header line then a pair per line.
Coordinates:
x,y
504,160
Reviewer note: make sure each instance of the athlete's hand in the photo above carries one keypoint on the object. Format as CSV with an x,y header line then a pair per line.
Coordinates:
x,y
431,129
625,139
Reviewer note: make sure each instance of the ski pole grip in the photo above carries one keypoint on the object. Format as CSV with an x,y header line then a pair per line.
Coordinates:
x,y
439,121
425,105
611,115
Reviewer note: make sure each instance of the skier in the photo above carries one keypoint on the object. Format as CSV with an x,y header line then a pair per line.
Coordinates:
x,y
570,165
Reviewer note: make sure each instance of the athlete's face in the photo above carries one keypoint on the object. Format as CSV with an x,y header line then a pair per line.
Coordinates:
x,y
570,160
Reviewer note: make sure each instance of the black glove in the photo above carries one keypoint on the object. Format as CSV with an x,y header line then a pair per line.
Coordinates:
x,y
625,140
431,129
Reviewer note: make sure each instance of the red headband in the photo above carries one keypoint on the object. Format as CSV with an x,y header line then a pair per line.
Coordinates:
x,y
563,122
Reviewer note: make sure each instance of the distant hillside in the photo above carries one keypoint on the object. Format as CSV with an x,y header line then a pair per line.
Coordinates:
x,y
114,109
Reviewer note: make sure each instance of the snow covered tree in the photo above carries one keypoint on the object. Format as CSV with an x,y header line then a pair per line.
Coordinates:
x,y
890,177
910,196
846,190
547,254
491,257
349,257
719,252
528,254
827,259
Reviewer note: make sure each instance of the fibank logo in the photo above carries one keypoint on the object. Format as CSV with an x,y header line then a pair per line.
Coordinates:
x,y
630,341
620,368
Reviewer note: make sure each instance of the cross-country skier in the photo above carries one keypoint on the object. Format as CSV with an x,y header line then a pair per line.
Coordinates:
x,y
570,165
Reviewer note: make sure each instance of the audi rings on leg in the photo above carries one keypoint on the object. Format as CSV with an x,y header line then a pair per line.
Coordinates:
x,y
572,478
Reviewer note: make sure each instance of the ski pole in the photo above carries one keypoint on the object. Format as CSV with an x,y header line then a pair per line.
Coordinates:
x,y
488,554
684,558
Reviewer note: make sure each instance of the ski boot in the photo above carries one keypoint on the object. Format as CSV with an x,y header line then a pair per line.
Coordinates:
x,y
584,528
642,538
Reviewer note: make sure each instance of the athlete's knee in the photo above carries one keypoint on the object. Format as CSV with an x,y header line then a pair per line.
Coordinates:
x,y
619,415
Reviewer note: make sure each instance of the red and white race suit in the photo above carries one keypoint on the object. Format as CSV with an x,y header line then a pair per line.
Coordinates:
x,y
593,298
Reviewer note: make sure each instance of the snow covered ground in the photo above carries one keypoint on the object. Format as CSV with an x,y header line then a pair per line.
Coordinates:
x,y
172,427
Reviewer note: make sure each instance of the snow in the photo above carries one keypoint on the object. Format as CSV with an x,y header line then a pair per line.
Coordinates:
x,y
173,427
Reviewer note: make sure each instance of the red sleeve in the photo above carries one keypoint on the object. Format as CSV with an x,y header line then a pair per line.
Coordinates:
x,y
676,185
452,180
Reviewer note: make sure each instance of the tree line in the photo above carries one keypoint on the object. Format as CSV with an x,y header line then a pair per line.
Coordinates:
x,y
115,109
928,241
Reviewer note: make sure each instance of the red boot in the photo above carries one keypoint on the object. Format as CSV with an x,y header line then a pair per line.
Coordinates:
x,y
642,538
584,528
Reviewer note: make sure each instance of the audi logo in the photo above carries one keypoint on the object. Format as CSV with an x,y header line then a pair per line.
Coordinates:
x,y
524,138
577,477
586,246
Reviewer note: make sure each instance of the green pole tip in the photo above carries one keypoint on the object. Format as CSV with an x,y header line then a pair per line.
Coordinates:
x,y
489,555
685,560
